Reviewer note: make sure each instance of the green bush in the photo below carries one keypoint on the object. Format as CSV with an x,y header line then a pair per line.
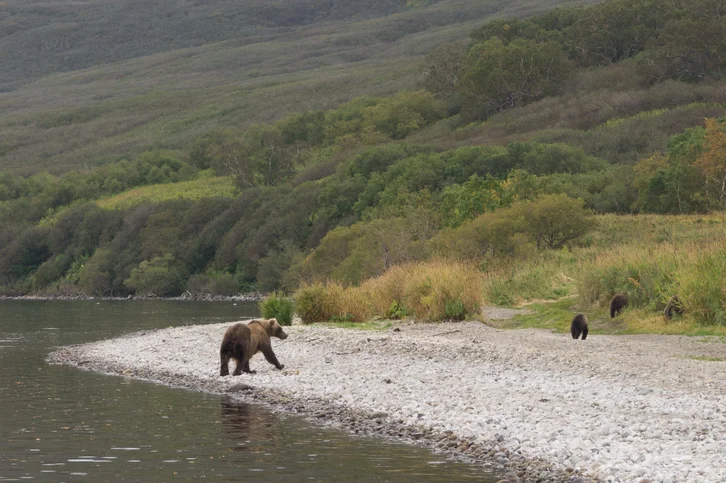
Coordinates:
x,y
455,309
397,311
318,302
279,307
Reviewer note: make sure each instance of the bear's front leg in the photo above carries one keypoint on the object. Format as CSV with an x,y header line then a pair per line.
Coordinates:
x,y
270,356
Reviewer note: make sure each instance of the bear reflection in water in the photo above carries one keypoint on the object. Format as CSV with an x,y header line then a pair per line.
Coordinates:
x,y
251,426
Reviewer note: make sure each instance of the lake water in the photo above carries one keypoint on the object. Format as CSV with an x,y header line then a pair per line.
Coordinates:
x,y
62,424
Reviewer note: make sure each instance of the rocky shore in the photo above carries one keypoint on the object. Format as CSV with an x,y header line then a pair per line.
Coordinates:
x,y
531,405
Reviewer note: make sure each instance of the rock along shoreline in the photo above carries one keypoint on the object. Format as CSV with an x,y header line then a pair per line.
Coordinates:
x,y
530,405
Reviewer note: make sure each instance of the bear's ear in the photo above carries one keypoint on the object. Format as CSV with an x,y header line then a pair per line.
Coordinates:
x,y
272,322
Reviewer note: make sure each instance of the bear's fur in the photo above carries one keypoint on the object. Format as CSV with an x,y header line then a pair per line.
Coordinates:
x,y
617,304
674,307
579,326
242,341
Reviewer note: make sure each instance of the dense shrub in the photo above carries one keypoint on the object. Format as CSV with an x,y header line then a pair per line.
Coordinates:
x,y
279,307
318,302
160,277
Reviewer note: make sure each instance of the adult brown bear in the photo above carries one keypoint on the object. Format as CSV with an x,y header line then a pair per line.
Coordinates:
x,y
618,303
242,341
579,326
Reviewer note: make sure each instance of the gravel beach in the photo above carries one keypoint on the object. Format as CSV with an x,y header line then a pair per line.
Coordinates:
x,y
531,404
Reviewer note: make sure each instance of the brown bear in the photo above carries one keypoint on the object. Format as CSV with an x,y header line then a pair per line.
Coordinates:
x,y
242,341
618,303
674,307
579,326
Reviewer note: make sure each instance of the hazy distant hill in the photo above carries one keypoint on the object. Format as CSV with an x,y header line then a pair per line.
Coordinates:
x,y
92,81
63,35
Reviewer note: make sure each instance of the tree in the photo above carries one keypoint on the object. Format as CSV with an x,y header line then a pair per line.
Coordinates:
x,y
259,158
554,220
466,201
712,161
615,30
159,277
98,273
402,114
498,77
442,70
691,45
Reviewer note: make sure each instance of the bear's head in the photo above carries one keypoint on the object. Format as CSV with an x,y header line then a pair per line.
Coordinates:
x,y
276,329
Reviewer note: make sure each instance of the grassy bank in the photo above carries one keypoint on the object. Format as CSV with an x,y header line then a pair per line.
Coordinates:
x,y
557,315
652,257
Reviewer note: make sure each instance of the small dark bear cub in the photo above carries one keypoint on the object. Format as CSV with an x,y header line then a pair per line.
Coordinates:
x,y
674,307
242,341
618,303
579,326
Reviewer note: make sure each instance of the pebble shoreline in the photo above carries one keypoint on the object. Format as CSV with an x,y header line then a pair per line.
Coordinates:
x,y
529,404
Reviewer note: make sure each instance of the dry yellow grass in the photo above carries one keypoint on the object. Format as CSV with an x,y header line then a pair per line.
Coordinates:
x,y
434,290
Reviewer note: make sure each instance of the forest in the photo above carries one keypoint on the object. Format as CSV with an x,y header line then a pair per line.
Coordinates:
x,y
519,145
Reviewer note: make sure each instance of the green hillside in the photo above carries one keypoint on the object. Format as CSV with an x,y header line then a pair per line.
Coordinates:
x,y
91,83
579,152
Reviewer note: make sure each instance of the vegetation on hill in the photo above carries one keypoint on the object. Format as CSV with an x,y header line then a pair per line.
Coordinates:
x,y
60,36
95,82
500,182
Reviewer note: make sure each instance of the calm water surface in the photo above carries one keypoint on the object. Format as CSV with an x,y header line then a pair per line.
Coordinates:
x,y
61,424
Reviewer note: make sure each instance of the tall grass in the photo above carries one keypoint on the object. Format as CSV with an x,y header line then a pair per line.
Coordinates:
x,y
654,274
434,290
646,273
702,287
548,277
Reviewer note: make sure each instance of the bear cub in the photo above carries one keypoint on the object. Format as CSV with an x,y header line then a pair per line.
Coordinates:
x,y
674,307
579,326
242,341
618,303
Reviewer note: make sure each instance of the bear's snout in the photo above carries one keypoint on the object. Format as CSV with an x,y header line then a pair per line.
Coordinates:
x,y
282,335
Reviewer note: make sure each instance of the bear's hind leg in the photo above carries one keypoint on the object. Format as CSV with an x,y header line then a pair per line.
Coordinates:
x,y
239,356
238,368
224,367
584,333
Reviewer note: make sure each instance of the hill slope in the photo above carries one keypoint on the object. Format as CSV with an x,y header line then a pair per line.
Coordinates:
x,y
82,86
